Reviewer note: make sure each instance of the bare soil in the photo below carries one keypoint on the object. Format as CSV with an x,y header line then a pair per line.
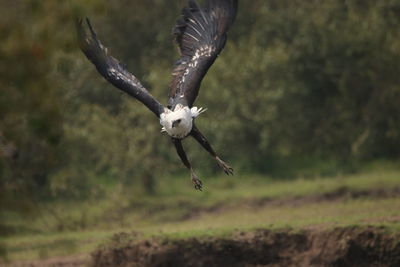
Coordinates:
x,y
336,247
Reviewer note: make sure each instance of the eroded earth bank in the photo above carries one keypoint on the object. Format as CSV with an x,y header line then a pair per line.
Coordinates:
x,y
350,246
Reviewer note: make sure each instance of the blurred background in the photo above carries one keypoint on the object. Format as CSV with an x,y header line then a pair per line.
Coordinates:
x,y
303,89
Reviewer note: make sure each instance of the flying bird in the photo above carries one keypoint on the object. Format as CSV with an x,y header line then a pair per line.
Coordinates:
x,y
201,34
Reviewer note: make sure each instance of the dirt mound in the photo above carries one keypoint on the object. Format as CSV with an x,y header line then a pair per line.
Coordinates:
x,y
335,247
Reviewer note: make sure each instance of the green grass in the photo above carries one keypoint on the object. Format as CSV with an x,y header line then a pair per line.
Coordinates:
x,y
75,228
321,216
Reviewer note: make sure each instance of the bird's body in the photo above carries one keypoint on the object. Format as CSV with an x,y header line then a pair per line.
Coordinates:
x,y
201,34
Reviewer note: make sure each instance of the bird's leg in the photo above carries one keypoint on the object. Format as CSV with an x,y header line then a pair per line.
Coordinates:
x,y
203,141
181,152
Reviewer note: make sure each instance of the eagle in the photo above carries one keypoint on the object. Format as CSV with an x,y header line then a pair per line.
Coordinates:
x,y
201,34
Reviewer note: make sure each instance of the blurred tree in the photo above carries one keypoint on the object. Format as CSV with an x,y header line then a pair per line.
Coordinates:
x,y
29,116
303,83
309,80
31,121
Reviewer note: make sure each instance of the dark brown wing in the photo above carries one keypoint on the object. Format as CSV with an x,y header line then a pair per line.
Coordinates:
x,y
201,35
112,70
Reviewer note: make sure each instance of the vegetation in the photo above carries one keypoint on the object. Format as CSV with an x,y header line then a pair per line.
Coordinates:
x,y
244,203
303,89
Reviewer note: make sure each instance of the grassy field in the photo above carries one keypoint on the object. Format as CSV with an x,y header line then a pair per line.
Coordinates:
x,y
227,204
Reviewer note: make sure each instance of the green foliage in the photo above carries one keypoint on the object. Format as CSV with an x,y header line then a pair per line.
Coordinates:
x,y
302,88
314,80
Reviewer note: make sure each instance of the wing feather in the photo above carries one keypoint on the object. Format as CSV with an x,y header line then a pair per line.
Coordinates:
x,y
114,71
201,35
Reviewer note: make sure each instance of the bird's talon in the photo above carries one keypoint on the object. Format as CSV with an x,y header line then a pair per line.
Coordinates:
x,y
198,184
225,167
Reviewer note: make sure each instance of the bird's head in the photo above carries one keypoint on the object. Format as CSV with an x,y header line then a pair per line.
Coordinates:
x,y
178,122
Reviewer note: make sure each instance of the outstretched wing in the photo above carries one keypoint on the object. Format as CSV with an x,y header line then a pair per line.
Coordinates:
x,y
112,70
201,35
